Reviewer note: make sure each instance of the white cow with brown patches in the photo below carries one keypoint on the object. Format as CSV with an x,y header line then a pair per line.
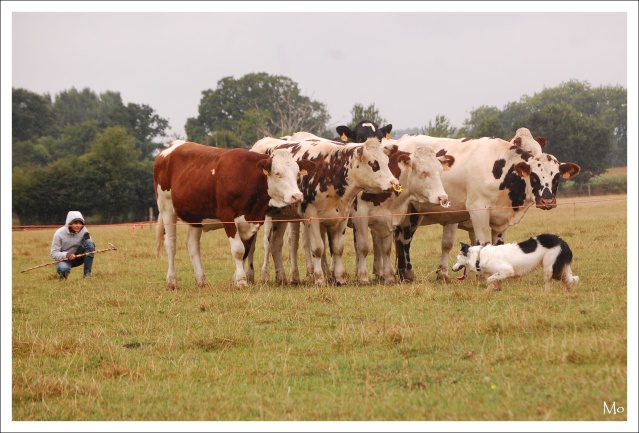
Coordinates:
x,y
419,173
341,172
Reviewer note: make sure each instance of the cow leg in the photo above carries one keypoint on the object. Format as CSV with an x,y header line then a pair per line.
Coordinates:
x,y
328,272
293,246
336,239
360,239
193,236
169,219
315,244
480,220
307,252
378,257
403,237
448,239
277,244
250,270
385,247
266,241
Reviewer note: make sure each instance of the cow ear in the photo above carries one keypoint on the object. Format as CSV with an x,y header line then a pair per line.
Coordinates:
x,y
386,131
359,153
517,141
390,149
447,161
522,169
305,166
569,169
344,133
404,158
265,165
541,141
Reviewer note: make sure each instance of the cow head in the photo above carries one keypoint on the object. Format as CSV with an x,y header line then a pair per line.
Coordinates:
x,y
282,174
524,140
363,131
369,167
543,172
423,175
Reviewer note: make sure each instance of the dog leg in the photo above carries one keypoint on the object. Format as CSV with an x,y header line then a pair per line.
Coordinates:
x,y
569,280
494,286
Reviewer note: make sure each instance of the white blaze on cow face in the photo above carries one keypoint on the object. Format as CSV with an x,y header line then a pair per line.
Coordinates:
x,y
282,179
370,168
426,183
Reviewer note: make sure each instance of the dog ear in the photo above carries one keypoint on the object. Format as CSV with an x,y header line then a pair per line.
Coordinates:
x,y
464,248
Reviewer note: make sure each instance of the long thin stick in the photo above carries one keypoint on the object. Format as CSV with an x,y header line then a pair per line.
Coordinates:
x,y
113,248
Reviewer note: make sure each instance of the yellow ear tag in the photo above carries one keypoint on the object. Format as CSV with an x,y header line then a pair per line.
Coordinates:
x,y
397,188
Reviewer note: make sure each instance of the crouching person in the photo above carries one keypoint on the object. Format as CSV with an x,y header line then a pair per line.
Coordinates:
x,y
69,241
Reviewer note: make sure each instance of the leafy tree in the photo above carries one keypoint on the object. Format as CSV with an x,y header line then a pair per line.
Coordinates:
x,y
32,115
146,126
359,113
573,137
484,122
73,107
273,105
441,128
225,139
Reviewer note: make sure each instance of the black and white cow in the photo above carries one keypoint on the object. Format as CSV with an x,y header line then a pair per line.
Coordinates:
x,y
492,184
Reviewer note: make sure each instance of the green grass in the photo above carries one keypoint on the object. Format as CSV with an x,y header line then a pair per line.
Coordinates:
x,y
121,347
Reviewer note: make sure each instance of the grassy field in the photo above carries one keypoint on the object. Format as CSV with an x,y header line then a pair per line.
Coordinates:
x,y
121,347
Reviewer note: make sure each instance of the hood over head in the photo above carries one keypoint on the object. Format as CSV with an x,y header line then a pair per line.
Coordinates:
x,y
74,215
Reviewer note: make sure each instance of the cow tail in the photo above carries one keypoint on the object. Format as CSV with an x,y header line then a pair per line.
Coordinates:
x,y
159,234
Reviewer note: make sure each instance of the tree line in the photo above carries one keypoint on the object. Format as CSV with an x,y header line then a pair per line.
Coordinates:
x,y
94,153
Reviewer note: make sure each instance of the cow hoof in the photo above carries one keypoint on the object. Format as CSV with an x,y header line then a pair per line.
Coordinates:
x,y
390,281
407,276
492,289
241,283
363,281
443,277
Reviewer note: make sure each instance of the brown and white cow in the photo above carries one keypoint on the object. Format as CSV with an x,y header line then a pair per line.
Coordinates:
x,y
212,188
341,172
419,173
492,184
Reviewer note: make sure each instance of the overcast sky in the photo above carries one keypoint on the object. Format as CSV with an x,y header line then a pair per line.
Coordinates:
x,y
412,66
413,60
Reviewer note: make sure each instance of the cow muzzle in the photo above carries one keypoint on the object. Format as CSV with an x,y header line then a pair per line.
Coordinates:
x,y
443,201
546,203
296,198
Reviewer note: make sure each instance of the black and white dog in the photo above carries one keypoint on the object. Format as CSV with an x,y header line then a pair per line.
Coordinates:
x,y
498,262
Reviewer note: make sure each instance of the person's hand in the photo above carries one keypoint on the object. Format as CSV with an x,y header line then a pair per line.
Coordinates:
x,y
71,256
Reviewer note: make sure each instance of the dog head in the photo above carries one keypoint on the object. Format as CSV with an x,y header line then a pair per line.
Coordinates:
x,y
462,260
467,259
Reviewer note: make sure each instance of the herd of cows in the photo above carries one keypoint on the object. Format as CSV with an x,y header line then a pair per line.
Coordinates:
x,y
314,189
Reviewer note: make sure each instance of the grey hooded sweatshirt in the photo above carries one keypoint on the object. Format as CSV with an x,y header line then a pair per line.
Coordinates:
x,y
66,242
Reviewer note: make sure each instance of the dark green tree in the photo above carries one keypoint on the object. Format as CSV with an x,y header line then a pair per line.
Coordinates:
x,y
225,139
359,113
32,115
573,137
441,128
272,105
484,122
